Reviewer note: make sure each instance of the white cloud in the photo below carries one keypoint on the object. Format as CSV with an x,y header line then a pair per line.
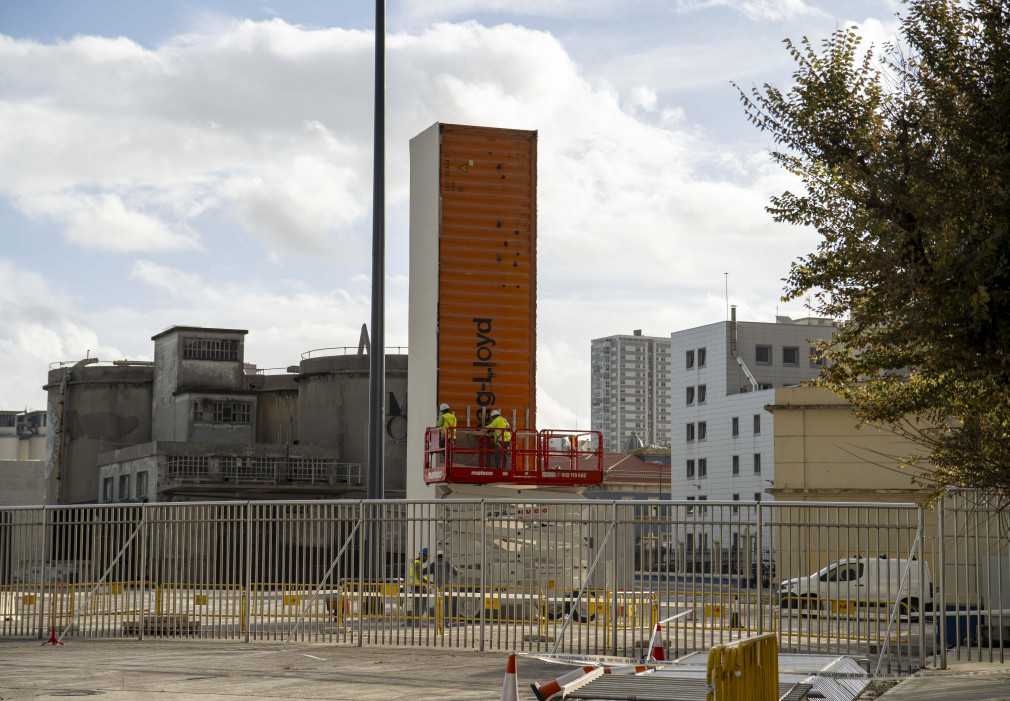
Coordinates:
x,y
104,222
38,326
421,10
257,139
645,97
760,10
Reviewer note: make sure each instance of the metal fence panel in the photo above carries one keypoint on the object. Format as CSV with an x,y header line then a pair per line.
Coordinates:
x,y
582,576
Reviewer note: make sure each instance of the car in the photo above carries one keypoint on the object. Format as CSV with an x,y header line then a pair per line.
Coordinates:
x,y
868,582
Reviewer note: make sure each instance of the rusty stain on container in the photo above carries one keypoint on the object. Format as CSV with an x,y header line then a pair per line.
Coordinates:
x,y
487,270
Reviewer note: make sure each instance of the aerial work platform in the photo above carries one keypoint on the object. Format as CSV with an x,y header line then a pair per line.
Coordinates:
x,y
468,455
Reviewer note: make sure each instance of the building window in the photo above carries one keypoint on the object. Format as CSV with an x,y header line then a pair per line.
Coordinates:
x,y
142,484
124,488
736,426
690,432
736,497
690,469
702,430
816,358
790,355
231,412
107,495
757,496
690,510
690,395
736,464
757,424
757,463
209,349
197,412
763,355
702,508
701,357
702,392
689,358
702,468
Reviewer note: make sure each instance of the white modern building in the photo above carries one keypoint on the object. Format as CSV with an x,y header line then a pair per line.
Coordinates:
x,y
630,379
722,379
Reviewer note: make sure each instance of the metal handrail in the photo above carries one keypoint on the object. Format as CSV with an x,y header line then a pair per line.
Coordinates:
x,y
95,361
352,350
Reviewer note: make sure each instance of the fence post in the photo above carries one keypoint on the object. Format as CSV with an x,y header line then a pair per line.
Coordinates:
x,y
922,597
759,569
360,574
246,614
48,545
143,568
483,564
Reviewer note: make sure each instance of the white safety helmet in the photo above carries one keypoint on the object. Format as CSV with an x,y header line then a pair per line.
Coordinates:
x,y
443,407
495,413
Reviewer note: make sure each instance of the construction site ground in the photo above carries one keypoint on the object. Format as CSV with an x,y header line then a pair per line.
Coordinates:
x,y
218,671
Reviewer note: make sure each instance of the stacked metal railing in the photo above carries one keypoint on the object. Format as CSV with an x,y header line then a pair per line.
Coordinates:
x,y
582,576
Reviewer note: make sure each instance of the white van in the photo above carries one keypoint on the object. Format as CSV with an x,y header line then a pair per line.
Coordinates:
x,y
858,582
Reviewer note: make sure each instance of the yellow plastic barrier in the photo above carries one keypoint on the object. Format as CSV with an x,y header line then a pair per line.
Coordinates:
x,y
745,670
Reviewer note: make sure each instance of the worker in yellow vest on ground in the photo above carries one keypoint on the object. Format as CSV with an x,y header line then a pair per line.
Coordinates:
x,y
417,583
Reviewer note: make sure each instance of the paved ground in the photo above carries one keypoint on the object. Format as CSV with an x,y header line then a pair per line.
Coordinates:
x,y
218,671
215,671
967,679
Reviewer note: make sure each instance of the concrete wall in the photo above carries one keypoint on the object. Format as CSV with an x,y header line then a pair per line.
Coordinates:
x,y
422,324
22,482
822,454
106,406
166,381
200,426
10,448
333,411
177,376
276,408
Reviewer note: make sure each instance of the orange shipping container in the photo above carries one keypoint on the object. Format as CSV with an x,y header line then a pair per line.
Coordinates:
x,y
487,271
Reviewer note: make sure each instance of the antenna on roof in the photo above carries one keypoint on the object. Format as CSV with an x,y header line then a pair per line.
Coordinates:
x,y
727,295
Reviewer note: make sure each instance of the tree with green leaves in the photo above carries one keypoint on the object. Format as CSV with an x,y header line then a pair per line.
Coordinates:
x,y
904,158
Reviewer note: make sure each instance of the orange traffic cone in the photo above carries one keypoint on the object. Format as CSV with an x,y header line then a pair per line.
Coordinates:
x,y
657,651
548,690
510,687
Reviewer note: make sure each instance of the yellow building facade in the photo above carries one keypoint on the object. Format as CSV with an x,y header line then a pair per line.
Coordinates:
x,y
822,454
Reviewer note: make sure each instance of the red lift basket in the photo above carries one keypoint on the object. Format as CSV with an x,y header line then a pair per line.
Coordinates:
x,y
480,456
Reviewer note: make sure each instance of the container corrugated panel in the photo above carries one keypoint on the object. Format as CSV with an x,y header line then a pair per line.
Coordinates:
x,y
487,270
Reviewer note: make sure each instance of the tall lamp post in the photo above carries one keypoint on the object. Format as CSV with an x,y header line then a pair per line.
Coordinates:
x,y
377,358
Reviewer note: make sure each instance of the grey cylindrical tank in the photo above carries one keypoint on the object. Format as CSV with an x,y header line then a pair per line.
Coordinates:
x,y
107,407
333,411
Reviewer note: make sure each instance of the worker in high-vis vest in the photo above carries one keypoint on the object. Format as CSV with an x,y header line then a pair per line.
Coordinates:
x,y
501,439
446,425
417,581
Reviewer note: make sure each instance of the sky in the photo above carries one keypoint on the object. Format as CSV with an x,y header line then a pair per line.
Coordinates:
x,y
208,163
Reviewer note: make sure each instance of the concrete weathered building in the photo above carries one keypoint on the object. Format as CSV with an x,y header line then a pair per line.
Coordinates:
x,y
22,457
201,392
333,410
200,423
98,407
